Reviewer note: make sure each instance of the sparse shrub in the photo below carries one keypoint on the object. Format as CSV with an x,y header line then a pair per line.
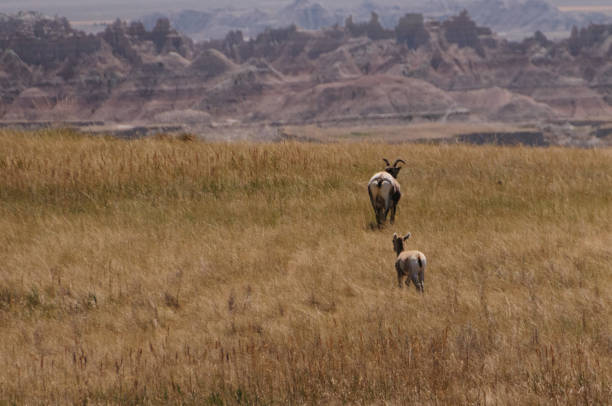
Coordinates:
x,y
7,297
33,299
187,137
171,300
91,302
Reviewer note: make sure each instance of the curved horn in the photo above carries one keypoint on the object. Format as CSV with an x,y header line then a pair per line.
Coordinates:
x,y
406,236
398,161
386,161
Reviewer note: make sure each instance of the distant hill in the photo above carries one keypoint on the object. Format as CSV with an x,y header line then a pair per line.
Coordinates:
x,y
216,23
516,19
512,19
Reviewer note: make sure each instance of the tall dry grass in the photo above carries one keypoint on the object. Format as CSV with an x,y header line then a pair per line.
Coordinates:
x,y
160,271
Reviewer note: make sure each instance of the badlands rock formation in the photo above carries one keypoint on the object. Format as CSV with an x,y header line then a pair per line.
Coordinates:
x,y
361,71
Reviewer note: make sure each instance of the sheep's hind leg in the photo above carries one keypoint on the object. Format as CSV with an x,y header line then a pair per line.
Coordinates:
x,y
392,220
385,215
377,213
396,199
373,203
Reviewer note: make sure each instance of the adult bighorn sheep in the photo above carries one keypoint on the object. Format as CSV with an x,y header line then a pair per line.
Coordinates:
x,y
384,190
409,263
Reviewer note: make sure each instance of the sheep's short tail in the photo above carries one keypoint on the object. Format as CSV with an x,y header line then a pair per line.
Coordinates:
x,y
380,181
420,261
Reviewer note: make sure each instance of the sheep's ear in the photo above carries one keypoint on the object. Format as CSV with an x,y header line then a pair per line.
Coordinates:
x,y
407,236
394,236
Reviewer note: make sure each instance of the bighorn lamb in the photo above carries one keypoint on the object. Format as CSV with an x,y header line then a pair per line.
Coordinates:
x,y
384,190
409,263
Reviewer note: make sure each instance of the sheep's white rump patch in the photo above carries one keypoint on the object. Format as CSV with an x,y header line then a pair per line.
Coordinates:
x,y
382,193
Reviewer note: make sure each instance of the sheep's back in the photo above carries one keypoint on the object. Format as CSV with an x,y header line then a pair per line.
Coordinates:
x,y
411,259
386,178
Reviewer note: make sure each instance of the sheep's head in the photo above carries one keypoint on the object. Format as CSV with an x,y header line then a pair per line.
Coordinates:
x,y
398,242
393,170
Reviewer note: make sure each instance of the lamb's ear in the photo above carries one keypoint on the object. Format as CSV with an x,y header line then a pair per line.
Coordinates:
x,y
407,236
394,237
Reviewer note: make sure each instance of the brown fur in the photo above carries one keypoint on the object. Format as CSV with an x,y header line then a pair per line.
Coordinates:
x,y
383,204
409,263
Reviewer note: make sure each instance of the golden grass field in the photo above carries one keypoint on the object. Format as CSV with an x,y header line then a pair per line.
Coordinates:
x,y
161,271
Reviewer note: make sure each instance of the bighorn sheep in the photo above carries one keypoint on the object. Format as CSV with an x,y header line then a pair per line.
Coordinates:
x,y
384,190
409,263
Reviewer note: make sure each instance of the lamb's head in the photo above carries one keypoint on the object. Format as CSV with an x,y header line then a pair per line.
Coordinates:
x,y
398,242
393,170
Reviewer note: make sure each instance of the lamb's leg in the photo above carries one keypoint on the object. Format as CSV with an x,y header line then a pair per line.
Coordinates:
x,y
400,276
400,280
416,281
422,279
392,220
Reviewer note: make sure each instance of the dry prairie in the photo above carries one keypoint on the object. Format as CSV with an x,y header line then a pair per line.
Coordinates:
x,y
162,271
